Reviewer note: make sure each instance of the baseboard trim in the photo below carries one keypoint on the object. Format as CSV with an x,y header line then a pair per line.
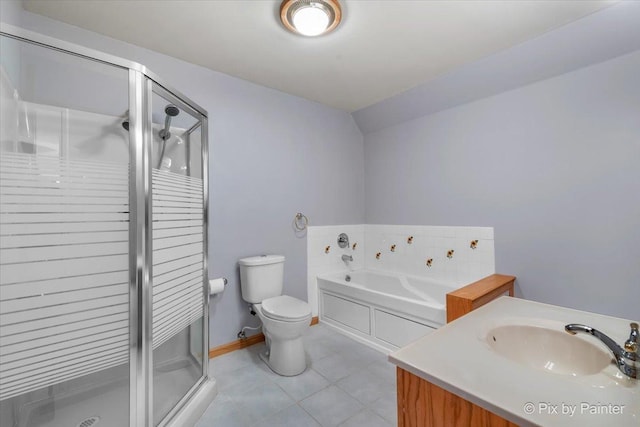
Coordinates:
x,y
236,345
243,343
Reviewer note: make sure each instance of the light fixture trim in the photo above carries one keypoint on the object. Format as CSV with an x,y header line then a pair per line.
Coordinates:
x,y
331,8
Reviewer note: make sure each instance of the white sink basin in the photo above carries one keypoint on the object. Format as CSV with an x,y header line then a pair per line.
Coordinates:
x,y
548,349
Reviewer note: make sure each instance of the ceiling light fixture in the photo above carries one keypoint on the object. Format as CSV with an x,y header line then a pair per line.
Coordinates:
x,y
310,17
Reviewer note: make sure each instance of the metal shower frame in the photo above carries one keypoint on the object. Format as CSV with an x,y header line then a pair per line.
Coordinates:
x,y
142,84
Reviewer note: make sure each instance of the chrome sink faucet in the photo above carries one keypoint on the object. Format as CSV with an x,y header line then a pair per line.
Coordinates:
x,y
627,357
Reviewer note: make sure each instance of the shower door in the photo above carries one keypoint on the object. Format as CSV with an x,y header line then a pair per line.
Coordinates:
x,y
65,293
178,210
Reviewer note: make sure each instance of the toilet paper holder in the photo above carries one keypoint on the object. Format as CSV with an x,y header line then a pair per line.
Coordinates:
x,y
216,286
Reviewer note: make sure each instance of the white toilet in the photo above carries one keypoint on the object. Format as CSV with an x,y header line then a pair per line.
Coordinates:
x,y
284,318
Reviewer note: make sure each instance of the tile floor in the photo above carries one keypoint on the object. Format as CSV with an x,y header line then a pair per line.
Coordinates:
x,y
347,384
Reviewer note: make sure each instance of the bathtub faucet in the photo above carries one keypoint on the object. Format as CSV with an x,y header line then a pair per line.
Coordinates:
x,y
346,258
627,358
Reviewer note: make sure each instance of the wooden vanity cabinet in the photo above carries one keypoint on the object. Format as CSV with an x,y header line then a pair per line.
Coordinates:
x,y
423,404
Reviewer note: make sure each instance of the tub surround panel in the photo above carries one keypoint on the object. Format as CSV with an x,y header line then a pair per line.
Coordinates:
x,y
325,256
455,255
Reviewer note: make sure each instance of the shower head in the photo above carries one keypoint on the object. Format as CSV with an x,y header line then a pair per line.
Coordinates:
x,y
125,120
171,110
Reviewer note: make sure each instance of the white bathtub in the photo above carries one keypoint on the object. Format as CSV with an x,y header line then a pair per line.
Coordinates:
x,y
382,310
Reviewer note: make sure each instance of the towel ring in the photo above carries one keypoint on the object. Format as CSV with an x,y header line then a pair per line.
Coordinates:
x,y
300,222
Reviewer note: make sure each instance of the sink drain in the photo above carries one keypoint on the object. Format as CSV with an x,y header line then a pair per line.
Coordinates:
x,y
89,422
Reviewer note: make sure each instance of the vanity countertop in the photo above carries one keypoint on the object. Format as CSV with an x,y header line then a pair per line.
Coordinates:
x,y
459,359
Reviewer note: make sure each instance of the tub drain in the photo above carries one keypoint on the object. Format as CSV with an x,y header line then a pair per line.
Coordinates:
x,y
89,422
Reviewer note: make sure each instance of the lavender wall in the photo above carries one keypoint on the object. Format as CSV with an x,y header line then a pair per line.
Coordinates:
x,y
553,166
272,155
588,40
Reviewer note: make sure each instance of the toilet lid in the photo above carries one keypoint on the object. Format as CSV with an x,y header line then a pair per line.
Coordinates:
x,y
285,308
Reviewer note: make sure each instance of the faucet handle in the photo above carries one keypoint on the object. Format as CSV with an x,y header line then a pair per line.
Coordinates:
x,y
634,332
631,345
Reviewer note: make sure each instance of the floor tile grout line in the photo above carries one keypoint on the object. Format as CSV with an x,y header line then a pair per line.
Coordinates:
x,y
336,346
312,417
306,397
352,416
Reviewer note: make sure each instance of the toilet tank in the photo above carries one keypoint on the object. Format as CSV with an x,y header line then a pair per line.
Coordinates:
x,y
261,277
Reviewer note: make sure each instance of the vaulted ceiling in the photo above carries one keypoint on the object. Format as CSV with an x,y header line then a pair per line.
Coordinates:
x,y
380,49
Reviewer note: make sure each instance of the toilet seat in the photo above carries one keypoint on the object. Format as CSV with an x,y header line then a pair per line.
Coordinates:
x,y
285,308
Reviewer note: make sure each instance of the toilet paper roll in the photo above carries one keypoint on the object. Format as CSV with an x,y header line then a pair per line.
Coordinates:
x,y
217,285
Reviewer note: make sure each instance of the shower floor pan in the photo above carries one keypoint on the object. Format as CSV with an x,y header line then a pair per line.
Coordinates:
x,y
107,404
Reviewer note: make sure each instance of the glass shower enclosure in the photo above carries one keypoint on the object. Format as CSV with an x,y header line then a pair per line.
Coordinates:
x,y
103,241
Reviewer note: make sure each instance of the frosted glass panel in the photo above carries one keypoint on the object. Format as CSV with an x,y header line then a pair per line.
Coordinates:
x,y
64,239
177,253
177,196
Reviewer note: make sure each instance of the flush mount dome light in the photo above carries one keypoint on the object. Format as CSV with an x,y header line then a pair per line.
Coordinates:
x,y
310,17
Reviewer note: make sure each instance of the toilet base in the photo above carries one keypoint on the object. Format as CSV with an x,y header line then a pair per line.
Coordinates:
x,y
286,358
